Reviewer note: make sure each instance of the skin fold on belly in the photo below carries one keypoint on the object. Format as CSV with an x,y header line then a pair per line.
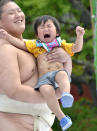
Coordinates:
x,y
16,122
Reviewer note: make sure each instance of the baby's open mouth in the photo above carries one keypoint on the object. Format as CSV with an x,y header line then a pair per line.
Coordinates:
x,y
46,36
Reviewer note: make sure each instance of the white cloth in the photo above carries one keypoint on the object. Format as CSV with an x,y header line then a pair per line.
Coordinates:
x,y
43,117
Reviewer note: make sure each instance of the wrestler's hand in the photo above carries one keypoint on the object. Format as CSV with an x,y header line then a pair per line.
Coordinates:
x,y
57,55
3,34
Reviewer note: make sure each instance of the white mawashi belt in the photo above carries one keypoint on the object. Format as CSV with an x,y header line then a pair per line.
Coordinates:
x,y
43,117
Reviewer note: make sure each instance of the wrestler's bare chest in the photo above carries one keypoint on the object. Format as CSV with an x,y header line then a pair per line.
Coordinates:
x,y
27,67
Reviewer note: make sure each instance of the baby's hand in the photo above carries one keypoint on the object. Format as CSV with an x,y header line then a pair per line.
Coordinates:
x,y
3,34
80,31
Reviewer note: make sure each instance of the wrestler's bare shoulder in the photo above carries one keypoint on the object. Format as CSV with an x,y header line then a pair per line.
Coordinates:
x,y
6,48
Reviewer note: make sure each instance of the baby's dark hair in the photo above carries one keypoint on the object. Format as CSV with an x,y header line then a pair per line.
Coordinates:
x,y
44,19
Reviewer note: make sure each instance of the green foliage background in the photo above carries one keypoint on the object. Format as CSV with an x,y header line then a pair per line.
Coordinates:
x,y
34,8
84,117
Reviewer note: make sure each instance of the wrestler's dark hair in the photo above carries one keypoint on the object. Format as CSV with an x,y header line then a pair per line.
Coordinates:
x,y
2,3
44,19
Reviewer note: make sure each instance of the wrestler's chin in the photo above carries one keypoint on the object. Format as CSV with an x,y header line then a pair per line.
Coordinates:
x,y
20,28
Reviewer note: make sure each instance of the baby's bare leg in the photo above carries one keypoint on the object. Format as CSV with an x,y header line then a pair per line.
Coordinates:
x,y
63,81
49,95
64,85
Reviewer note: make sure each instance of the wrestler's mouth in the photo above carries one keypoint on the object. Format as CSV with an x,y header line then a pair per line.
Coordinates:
x,y
18,21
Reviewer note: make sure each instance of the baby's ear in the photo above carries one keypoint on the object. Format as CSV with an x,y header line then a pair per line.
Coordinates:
x,y
57,34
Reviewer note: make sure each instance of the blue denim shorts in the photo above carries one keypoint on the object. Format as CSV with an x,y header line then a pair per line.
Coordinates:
x,y
49,79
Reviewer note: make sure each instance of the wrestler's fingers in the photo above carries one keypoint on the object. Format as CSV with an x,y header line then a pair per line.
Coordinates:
x,y
55,51
52,60
52,54
51,57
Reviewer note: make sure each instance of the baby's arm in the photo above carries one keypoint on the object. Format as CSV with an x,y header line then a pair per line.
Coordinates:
x,y
68,65
77,47
13,40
